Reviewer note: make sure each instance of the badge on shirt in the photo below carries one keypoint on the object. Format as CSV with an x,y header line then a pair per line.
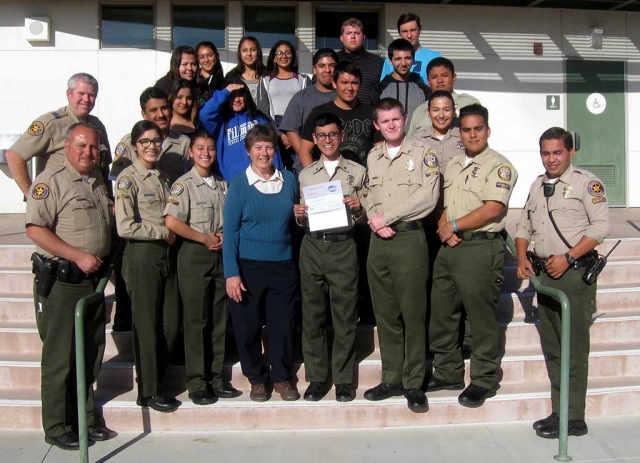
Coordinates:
x,y
350,180
120,149
595,188
459,145
36,129
566,192
504,172
411,165
177,189
475,172
40,191
124,183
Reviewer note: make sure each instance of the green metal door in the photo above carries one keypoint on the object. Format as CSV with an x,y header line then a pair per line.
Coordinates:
x,y
595,109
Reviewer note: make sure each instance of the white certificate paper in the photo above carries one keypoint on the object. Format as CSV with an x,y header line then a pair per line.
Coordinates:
x,y
326,209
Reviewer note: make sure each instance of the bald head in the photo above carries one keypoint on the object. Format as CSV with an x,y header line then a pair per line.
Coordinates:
x,y
82,147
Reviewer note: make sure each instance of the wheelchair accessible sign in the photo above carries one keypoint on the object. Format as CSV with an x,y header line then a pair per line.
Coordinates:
x,y
596,103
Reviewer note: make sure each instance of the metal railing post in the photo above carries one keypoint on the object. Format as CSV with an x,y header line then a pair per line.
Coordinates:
x,y
565,353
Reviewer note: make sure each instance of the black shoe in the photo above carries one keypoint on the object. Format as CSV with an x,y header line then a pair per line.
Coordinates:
x,y
545,421
314,392
202,397
383,391
160,403
227,391
466,351
344,393
436,384
474,396
67,441
98,433
552,430
416,400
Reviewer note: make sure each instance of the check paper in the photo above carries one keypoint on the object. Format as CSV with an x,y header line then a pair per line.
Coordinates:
x,y
326,209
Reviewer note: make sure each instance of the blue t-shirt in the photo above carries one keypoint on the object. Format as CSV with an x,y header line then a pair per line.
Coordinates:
x,y
420,63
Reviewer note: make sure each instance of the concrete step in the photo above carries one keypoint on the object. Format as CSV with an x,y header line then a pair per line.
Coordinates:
x,y
20,409
607,360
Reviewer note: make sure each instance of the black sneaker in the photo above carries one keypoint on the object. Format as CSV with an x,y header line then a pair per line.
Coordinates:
x,y
552,430
474,396
383,391
545,421
344,393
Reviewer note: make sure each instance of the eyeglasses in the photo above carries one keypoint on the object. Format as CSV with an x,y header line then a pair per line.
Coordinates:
x,y
146,143
331,135
280,54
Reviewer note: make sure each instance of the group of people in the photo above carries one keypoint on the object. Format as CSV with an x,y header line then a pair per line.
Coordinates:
x,y
209,203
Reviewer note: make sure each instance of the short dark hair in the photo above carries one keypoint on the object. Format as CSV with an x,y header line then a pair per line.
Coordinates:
x,y
557,133
150,93
200,134
325,119
475,109
324,53
261,132
407,18
387,104
441,94
440,61
353,22
401,45
346,67
141,127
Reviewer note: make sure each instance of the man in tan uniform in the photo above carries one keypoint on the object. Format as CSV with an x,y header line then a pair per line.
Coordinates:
x,y
329,259
575,200
401,188
45,138
174,157
477,187
441,75
69,216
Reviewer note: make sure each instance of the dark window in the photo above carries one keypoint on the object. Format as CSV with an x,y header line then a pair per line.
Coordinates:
x,y
329,25
270,23
127,27
193,24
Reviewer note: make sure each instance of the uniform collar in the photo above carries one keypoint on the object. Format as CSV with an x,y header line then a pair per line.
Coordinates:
x,y
563,178
342,164
77,176
72,116
142,170
480,158
199,181
404,148
453,131
254,178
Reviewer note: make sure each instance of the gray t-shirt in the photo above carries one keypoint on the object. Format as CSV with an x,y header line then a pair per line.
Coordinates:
x,y
301,106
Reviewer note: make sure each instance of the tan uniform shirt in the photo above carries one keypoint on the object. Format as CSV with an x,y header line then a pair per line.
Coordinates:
x,y
488,177
140,201
405,188
421,120
579,207
46,136
447,148
193,201
350,174
78,211
173,159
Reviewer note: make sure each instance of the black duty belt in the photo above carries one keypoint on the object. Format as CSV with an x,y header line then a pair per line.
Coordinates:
x,y
407,226
472,236
540,264
329,237
149,242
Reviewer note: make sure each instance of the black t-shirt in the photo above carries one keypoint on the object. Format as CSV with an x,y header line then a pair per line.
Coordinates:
x,y
357,124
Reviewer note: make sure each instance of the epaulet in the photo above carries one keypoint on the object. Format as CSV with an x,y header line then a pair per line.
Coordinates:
x,y
355,165
586,173
313,166
55,115
51,171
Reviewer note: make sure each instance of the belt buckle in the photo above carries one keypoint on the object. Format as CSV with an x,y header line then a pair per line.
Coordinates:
x,y
324,237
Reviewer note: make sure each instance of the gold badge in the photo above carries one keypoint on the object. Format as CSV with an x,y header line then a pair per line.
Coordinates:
x,y
504,172
36,129
475,172
566,191
411,165
350,179
40,191
595,188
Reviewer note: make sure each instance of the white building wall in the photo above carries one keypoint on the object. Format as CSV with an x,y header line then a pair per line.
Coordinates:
x,y
491,47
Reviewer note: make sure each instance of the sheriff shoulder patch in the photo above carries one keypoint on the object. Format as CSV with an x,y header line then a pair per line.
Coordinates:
x,y
601,199
120,149
504,172
36,129
40,191
595,188
177,189
430,159
124,182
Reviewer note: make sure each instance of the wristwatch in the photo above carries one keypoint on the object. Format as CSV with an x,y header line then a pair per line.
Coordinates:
x,y
570,259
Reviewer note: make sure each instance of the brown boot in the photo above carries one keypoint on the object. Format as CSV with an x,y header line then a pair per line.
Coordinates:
x,y
286,391
259,393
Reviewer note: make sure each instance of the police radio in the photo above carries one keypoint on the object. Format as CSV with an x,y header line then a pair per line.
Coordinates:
x,y
597,266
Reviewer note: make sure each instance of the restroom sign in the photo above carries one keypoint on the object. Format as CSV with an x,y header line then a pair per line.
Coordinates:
x,y
553,102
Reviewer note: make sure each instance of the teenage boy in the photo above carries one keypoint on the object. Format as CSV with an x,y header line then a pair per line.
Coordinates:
x,y
329,259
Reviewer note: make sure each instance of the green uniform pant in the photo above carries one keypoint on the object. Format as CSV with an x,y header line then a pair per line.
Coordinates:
x,y
56,328
470,272
332,266
204,302
582,299
398,270
148,268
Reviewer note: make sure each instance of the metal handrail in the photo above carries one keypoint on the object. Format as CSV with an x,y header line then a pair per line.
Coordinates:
x,y
562,298
81,375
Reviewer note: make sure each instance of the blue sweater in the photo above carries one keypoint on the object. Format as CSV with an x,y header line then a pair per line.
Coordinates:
x,y
256,225
232,158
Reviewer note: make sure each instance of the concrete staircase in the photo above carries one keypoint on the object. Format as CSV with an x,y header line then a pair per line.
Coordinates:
x,y
614,377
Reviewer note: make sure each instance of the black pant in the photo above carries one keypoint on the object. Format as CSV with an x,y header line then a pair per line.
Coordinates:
x,y
271,286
